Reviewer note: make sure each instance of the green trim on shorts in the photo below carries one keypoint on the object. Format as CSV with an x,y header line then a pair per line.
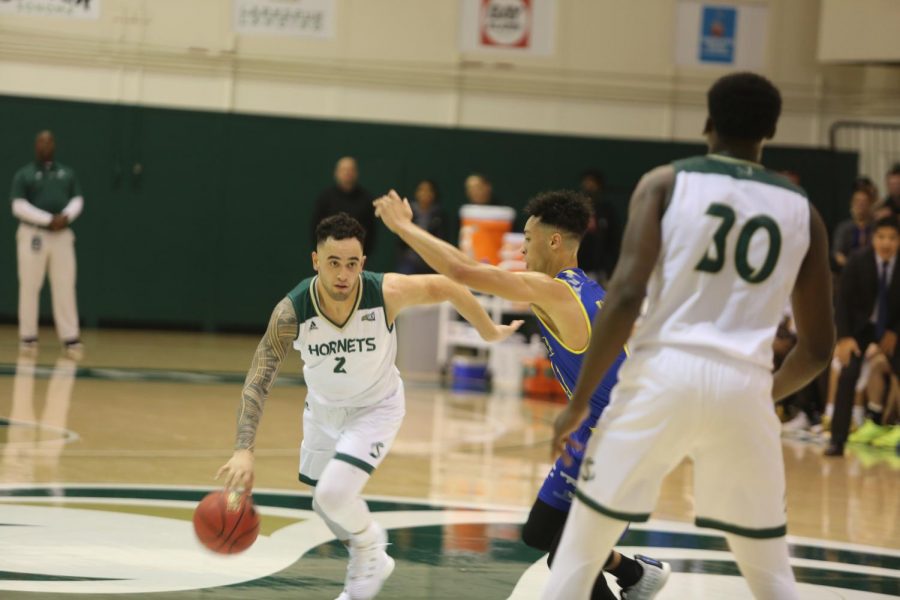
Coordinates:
x,y
621,516
771,532
308,480
352,460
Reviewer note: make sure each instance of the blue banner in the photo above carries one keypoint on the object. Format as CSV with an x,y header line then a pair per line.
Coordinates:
x,y
718,27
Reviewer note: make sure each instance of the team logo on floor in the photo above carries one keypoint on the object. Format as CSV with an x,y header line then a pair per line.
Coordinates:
x,y
139,539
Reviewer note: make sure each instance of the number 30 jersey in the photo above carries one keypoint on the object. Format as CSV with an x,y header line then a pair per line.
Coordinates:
x,y
347,364
733,237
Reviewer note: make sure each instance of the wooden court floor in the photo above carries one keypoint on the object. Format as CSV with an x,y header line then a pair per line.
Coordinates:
x,y
101,463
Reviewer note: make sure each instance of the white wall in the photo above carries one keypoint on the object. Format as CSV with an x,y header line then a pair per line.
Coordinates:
x,y
854,30
398,61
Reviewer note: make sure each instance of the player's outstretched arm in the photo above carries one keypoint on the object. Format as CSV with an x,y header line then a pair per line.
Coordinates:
x,y
270,352
403,291
448,260
624,296
812,314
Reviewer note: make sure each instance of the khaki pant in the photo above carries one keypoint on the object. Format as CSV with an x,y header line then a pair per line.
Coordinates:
x,y
38,251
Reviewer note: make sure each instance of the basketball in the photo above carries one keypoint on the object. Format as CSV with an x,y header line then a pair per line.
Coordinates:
x,y
226,522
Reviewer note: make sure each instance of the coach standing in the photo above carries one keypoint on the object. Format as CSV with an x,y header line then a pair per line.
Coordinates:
x,y
46,198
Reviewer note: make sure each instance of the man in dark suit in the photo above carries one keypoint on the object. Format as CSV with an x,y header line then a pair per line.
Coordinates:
x,y
868,311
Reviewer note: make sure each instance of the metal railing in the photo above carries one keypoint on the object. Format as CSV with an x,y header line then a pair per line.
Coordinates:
x,y
878,145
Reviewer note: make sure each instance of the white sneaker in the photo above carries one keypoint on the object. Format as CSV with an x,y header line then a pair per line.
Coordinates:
x,y
345,595
798,423
656,573
369,567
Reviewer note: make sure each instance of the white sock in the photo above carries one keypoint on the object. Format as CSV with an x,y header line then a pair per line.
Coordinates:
x,y
859,415
367,536
338,496
829,410
584,548
338,531
765,564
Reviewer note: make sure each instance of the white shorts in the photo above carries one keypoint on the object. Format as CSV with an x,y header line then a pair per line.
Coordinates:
x,y
360,436
672,403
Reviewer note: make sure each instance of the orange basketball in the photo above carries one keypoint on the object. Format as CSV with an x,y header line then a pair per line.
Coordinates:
x,y
226,522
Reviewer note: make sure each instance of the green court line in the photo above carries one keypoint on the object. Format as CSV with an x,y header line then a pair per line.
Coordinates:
x,y
14,576
692,541
166,375
426,545
299,501
150,375
817,576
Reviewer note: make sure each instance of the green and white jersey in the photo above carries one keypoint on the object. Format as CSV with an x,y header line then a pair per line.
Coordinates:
x,y
351,363
733,237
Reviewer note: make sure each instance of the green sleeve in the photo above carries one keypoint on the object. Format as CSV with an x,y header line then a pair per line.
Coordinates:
x,y
18,187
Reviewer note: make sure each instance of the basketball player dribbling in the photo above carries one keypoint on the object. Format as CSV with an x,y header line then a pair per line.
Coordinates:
x,y
342,323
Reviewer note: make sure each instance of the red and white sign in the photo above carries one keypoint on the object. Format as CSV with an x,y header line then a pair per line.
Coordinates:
x,y
511,26
506,23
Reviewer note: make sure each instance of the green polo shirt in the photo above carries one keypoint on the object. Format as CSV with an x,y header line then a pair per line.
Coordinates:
x,y
48,186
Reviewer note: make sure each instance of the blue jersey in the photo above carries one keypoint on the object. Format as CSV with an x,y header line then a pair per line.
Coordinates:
x,y
567,361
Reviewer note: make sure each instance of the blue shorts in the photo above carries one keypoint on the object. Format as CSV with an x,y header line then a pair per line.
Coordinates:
x,y
559,486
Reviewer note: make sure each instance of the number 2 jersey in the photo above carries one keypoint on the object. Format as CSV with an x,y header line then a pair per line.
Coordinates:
x,y
733,238
347,364
566,362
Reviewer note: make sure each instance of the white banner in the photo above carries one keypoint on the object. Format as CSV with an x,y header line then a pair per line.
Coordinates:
x,y
67,9
721,34
296,18
520,27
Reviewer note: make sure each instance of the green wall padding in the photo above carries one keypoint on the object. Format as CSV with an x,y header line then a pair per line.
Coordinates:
x,y
213,229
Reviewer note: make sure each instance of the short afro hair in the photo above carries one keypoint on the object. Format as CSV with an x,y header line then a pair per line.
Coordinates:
x,y
744,107
340,227
568,210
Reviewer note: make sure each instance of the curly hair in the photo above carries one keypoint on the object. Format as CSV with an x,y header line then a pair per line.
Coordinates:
x,y
744,106
340,227
568,210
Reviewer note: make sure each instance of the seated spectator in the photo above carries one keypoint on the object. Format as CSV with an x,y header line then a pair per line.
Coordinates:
x,y
802,410
872,385
868,311
427,214
855,232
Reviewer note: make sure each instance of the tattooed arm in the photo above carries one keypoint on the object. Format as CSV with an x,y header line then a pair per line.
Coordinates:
x,y
272,349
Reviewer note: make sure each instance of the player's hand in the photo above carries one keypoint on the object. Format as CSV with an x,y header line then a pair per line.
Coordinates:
x,y
888,343
846,347
393,210
501,332
567,422
238,471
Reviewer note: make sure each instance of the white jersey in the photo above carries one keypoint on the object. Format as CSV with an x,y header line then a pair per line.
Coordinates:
x,y
349,364
733,238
